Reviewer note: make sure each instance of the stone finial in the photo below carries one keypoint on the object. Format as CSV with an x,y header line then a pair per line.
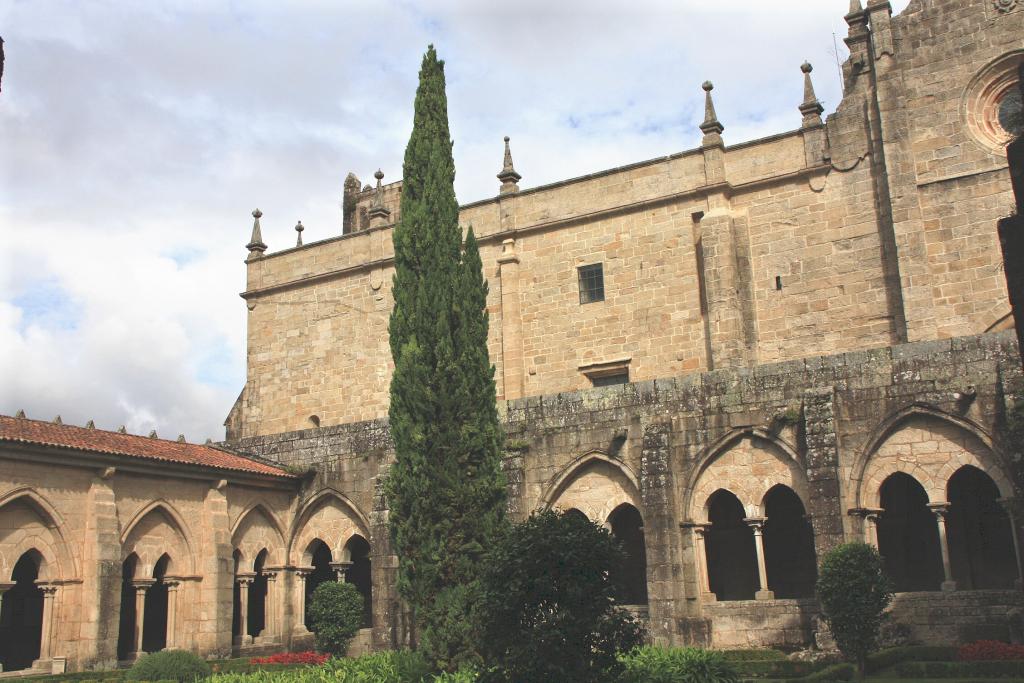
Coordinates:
x,y
122,430
181,438
508,176
90,425
256,245
20,414
811,108
298,232
712,127
209,441
153,435
57,420
378,213
855,7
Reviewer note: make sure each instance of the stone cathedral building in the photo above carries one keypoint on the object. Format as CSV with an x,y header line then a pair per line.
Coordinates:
x,y
735,357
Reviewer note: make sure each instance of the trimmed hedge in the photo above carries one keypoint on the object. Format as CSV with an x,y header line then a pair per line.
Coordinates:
x,y
753,654
777,668
984,669
910,653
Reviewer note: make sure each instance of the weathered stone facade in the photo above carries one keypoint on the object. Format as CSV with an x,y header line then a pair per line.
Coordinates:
x,y
815,334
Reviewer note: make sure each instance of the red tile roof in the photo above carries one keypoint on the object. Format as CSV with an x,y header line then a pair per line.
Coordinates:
x,y
23,430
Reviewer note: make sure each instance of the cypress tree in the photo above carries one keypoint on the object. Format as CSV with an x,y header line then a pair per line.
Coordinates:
x,y
445,490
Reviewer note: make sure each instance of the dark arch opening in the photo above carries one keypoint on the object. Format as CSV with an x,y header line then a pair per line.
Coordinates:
x,y
257,615
360,576
154,621
980,533
577,513
628,527
789,555
732,560
908,536
21,615
322,571
236,597
126,628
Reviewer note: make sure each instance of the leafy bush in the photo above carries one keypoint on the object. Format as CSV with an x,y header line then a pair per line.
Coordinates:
x,y
652,664
547,610
986,650
854,591
335,615
176,665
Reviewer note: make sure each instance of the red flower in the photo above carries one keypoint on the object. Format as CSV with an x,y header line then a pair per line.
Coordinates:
x,y
986,650
309,657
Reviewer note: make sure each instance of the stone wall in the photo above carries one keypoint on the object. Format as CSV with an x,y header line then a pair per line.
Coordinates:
x,y
826,427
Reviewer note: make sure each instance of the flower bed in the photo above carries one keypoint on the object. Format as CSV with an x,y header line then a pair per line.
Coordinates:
x,y
308,657
990,650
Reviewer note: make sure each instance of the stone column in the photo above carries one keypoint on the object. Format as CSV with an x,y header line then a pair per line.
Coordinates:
x,y
46,639
140,586
4,587
871,526
244,582
700,558
172,611
511,323
341,569
270,605
300,591
940,510
1010,505
757,524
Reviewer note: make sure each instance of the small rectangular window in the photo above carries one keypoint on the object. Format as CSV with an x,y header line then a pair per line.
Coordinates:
x,y
609,380
591,283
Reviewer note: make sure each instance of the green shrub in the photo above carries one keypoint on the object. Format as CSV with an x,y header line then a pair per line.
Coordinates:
x,y
177,665
547,610
854,592
335,615
910,653
776,668
651,664
461,676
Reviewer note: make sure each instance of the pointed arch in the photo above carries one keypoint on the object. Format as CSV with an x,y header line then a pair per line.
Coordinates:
x,y
870,470
177,524
256,528
301,535
788,471
598,510
61,563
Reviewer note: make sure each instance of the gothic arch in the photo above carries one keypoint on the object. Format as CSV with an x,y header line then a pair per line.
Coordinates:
x,y
335,528
52,546
625,486
257,528
871,469
781,465
149,557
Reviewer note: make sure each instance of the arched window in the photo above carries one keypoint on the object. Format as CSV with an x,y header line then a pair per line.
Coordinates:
x,y
628,527
788,545
321,559
21,615
257,615
359,574
732,560
908,535
154,628
980,534
577,513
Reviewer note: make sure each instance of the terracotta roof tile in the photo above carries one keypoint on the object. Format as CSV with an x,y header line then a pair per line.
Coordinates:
x,y
23,430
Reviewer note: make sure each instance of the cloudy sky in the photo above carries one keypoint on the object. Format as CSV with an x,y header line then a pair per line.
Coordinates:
x,y
136,138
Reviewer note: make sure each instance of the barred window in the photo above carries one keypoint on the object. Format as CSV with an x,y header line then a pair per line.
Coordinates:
x,y
591,283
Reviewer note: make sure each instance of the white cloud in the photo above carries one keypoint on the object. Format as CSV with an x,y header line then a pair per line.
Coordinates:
x,y
136,138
